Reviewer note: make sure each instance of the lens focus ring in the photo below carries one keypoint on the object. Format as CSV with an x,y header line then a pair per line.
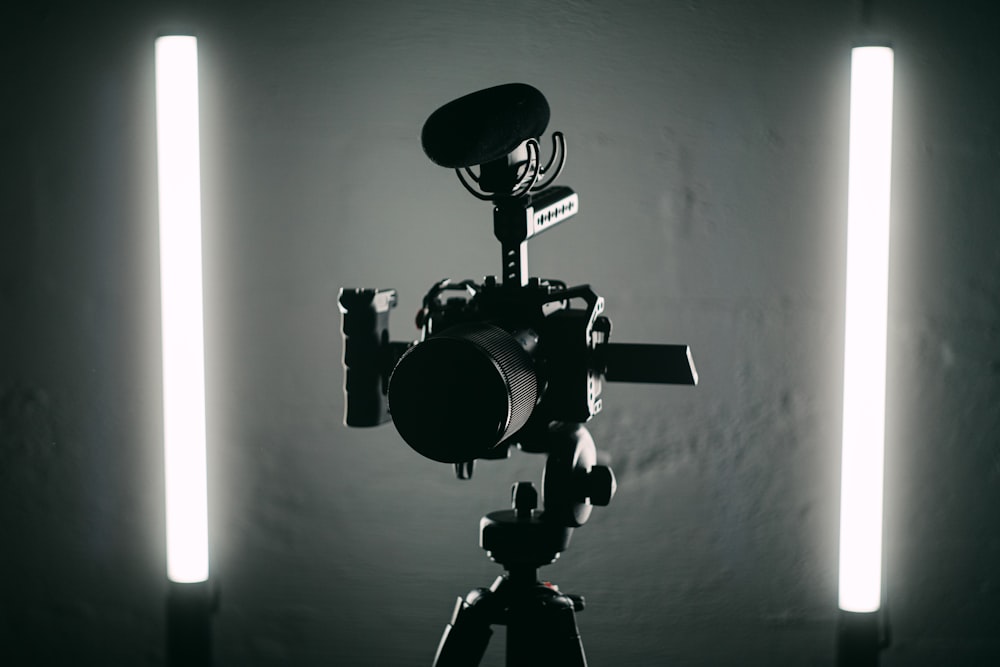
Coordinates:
x,y
458,394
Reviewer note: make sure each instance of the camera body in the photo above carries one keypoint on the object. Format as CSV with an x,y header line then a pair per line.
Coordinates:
x,y
539,345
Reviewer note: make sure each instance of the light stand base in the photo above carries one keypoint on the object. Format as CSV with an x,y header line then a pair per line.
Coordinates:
x,y
861,636
189,630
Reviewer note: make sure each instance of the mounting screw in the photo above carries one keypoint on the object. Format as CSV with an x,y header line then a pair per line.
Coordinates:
x,y
601,331
524,499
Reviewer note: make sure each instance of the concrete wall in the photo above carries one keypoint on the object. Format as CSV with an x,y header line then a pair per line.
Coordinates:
x,y
707,140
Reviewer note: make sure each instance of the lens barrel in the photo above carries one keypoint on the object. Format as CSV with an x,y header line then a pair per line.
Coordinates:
x,y
458,394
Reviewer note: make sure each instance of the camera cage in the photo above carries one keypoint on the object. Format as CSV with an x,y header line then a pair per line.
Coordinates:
x,y
562,327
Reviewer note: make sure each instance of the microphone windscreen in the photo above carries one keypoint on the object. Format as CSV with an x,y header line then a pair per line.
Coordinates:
x,y
485,125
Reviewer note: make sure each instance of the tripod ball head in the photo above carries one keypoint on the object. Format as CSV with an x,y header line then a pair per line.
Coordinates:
x,y
572,482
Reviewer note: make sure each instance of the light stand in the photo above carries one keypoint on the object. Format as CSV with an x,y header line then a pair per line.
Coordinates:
x,y
862,628
190,606
190,600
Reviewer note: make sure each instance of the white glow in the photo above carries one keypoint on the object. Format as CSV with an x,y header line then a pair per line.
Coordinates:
x,y
181,303
865,336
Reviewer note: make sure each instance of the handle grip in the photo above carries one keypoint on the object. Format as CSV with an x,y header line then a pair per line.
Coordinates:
x,y
365,326
637,362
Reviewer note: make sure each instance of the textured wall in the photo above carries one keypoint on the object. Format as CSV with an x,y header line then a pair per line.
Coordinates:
x,y
707,141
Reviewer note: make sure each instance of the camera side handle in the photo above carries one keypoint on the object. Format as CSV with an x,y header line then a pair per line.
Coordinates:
x,y
369,356
638,362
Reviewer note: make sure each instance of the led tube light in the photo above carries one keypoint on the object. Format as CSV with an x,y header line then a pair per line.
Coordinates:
x,y
862,464
181,303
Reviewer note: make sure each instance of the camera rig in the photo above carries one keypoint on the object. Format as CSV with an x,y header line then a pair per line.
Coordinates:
x,y
515,361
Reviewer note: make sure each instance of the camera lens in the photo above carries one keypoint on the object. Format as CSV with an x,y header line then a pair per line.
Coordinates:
x,y
458,394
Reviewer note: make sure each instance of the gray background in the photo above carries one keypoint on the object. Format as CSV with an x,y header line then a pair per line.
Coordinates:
x,y
707,141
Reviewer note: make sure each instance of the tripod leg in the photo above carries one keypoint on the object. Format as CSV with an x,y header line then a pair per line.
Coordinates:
x,y
543,632
465,638
566,644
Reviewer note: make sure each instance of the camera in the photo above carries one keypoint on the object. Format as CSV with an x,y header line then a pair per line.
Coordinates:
x,y
497,362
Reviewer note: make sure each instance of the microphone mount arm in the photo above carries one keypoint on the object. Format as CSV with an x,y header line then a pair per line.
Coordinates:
x,y
515,220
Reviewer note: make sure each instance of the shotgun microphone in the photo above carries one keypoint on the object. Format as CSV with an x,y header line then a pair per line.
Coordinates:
x,y
485,125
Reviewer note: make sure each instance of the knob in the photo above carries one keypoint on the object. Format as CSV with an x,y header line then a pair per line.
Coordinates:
x,y
600,485
524,499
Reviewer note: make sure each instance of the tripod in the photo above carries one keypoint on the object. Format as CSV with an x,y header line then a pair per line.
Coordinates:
x,y
540,620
